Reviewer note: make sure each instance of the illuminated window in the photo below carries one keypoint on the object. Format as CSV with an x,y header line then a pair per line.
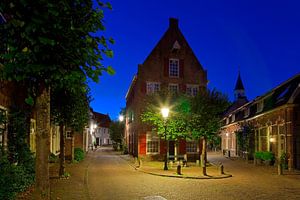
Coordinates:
x,y
32,135
153,87
152,141
174,68
191,146
192,90
233,118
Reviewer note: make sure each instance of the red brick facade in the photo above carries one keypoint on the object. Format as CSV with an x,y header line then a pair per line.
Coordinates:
x,y
172,47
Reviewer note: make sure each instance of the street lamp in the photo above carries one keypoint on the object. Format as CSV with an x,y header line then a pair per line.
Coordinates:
x,y
121,118
165,114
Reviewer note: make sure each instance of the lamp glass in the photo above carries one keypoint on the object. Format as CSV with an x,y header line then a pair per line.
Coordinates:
x,y
165,112
121,118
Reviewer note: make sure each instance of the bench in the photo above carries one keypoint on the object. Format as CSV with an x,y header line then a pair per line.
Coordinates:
x,y
179,158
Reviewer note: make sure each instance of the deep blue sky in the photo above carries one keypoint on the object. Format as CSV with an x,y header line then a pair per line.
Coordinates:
x,y
261,37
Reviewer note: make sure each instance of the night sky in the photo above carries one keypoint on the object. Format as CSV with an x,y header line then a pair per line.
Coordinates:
x,y
259,37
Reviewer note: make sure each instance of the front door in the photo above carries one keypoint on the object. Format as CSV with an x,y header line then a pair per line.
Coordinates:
x,y
171,148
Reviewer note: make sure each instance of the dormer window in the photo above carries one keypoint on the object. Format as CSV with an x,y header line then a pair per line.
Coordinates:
x,y
260,106
246,112
227,120
192,90
233,118
173,68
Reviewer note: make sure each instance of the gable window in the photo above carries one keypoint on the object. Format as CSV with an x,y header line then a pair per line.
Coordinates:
x,y
191,146
173,67
227,120
153,87
260,106
173,88
192,90
152,141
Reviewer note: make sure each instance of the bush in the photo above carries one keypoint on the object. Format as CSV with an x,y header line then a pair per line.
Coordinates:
x,y
53,158
78,154
13,179
265,155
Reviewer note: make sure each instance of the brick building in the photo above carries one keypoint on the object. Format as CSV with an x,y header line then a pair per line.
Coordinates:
x,y
171,65
275,117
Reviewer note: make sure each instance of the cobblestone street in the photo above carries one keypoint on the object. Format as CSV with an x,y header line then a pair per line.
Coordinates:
x,y
105,175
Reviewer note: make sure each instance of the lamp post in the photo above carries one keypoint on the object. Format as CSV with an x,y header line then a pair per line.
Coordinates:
x,y
165,114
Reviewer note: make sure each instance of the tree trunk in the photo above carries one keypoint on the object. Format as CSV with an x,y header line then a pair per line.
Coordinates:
x,y
62,150
42,190
203,157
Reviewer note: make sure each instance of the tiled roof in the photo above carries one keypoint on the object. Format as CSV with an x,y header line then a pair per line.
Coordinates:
x,y
276,97
102,119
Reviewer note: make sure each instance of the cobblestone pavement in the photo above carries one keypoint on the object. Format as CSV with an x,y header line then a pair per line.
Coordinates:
x,y
105,175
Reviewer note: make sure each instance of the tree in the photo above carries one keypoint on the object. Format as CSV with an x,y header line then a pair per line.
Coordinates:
x,y
245,139
47,43
206,112
116,132
69,108
175,126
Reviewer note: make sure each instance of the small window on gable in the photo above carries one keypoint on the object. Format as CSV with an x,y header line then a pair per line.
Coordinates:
x,y
153,87
173,67
260,106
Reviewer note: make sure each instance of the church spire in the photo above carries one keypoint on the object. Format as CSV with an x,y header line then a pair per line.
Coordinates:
x,y
239,90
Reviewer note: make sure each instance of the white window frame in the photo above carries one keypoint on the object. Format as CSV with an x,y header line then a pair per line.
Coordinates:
x,y
232,117
172,87
174,67
153,87
191,147
152,139
192,90
260,106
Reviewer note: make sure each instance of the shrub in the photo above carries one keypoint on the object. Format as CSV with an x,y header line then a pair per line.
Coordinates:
x,y
53,158
78,154
264,155
284,160
13,179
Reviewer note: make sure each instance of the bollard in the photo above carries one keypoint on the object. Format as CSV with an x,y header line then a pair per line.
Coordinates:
x,y
221,168
178,168
279,169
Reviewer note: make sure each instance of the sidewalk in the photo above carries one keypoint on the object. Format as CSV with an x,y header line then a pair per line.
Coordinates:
x,y
191,171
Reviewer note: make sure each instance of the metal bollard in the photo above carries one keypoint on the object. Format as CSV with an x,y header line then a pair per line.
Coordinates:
x,y
178,168
221,168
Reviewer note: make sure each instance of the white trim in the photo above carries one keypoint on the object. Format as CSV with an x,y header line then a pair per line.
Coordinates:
x,y
178,69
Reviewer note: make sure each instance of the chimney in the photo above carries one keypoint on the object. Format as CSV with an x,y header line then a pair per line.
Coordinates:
x,y
173,23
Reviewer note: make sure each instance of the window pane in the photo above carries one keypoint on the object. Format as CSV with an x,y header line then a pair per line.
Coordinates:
x,y
174,67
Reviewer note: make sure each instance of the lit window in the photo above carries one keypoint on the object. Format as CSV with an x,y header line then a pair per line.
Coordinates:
x,y
32,135
152,141
192,90
152,87
174,68
173,88
191,146
260,106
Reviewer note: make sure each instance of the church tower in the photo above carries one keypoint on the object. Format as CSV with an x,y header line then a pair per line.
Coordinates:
x,y
239,90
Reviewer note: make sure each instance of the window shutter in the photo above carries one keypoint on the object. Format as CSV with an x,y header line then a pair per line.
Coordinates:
x,y
181,68
183,88
166,67
144,87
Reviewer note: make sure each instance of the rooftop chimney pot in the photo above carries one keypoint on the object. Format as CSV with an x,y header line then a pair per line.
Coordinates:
x,y
173,23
